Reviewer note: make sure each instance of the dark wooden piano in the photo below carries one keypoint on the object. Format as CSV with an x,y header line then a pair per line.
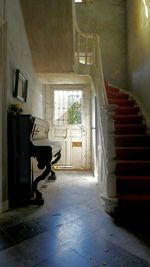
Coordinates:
x,y
27,139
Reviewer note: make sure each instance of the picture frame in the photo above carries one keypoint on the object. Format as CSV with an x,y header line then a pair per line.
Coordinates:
x,y
20,87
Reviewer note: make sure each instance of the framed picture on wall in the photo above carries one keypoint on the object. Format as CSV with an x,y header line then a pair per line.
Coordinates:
x,y
20,87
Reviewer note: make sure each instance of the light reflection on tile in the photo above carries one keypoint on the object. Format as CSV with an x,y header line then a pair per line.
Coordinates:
x,y
70,230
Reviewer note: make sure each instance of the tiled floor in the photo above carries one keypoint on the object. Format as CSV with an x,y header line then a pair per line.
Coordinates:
x,y
70,230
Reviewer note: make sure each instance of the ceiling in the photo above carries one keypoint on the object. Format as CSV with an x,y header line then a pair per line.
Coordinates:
x,y
67,78
49,27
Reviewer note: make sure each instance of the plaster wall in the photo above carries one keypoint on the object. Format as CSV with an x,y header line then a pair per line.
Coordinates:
x,y
108,19
1,110
1,8
138,31
18,56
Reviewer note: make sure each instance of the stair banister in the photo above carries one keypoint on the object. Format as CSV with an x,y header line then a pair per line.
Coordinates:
x,y
91,46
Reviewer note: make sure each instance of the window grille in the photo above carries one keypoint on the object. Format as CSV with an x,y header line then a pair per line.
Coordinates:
x,y
67,107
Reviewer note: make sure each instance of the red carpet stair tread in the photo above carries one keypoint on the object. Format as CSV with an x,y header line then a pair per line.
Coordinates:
x,y
132,147
130,129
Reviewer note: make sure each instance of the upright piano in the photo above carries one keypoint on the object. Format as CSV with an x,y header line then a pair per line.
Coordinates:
x,y
27,139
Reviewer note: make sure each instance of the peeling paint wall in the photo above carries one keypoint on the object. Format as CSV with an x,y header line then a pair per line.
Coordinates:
x,y
108,19
138,17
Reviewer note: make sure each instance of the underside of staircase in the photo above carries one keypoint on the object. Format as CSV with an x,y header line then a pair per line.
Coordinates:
x,y
132,153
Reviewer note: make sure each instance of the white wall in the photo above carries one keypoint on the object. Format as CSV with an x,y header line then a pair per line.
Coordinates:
x,y
18,57
3,117
108,19
138,30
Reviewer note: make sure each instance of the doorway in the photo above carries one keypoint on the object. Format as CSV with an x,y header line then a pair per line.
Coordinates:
x,y
68,110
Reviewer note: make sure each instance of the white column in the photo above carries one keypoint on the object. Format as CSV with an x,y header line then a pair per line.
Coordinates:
x,y
110,151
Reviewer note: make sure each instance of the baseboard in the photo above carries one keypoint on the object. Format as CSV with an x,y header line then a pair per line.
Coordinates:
x,y
109,204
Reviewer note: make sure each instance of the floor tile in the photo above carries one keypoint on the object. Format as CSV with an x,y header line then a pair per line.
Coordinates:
x,y
10,218
51,220
68,258
71,229
12,257
24,231
5,241
102,252
41,247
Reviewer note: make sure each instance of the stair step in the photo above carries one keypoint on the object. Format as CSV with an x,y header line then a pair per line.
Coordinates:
x,y
130,129
122,102
136,153
127,110
132,167
133,184
132,140
132,147
136,177
111,88
117,95
128,119
134,197
135,207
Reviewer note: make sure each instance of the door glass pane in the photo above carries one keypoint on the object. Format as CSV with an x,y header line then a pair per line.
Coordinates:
x,y
67,107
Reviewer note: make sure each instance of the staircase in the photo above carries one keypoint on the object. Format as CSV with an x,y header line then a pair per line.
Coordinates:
x,y
132,149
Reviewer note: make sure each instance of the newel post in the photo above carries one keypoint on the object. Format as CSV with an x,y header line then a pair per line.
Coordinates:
x,y
110,182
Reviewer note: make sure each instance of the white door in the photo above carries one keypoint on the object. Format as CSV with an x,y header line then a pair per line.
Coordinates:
x,y
71,124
